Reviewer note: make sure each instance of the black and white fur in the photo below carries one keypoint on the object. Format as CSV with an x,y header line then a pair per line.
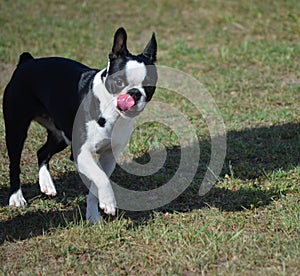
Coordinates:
x,y
52,90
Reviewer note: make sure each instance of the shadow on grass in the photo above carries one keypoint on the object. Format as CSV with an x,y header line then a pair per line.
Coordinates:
x,y
30,222
251,153
254,152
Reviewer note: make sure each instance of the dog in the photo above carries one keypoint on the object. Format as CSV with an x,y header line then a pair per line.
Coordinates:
x,y
52,90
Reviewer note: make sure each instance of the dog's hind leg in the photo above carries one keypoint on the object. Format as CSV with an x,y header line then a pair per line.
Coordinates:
x,y
55,143
16,133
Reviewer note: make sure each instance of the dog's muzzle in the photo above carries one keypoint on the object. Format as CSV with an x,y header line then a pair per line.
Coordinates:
x,y
135,94
131,103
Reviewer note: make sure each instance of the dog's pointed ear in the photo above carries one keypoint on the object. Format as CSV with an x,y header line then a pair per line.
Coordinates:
x,y
119,48
151,49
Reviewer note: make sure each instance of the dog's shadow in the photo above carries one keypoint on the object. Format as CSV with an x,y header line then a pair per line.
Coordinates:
x,y
251,153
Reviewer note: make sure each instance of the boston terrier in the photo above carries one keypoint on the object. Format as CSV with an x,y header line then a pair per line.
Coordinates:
x,y
52,90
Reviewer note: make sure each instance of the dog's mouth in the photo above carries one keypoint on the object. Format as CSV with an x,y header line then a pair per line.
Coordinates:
x,y
125,102
127,106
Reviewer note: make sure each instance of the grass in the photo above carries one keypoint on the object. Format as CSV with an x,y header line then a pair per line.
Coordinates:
x,y
246,54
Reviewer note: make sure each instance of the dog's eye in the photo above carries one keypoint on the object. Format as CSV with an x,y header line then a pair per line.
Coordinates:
x,y
120,83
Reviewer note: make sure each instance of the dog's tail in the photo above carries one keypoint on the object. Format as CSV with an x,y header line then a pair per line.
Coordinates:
x,y
25,57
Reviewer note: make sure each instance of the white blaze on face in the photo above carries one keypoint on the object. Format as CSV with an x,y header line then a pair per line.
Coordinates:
x,y
135,73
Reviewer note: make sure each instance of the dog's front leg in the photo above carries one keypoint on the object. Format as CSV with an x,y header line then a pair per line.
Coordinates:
x,y
100,187
92,212
107,163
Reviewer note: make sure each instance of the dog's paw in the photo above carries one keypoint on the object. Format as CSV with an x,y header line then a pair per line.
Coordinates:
x,y
108,208
107,202
46,184
17,199
92,215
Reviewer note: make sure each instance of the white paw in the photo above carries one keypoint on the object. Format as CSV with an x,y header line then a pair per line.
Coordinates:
x,y
107,201
46,184
17,199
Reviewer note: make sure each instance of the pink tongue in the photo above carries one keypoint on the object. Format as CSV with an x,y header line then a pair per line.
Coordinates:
x,y
125,102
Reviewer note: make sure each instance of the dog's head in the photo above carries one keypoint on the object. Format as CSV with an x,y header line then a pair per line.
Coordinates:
x,y
131,79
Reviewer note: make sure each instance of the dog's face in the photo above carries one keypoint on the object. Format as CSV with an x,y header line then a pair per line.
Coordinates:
x,y
131,79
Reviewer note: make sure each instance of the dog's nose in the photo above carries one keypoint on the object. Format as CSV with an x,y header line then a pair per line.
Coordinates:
x,y
135,94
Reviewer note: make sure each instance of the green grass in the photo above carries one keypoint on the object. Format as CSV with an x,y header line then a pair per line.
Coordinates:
x,y
247,56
